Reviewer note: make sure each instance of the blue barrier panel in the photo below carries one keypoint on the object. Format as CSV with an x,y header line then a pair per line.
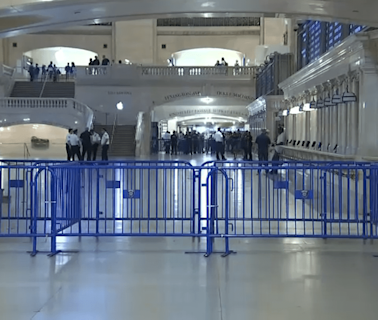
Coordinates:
x,y
321,200
124,200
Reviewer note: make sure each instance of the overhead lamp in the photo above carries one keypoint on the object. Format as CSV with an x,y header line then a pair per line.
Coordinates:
x,y
336,99
27,119
320,104
119,106
348,97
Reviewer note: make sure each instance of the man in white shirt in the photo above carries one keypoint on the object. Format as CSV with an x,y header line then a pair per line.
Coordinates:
x,y
96,140
74,142
68,146
167,141
218,136
105,140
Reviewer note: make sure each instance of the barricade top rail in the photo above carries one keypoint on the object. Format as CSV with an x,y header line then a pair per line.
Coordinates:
x,y
293,162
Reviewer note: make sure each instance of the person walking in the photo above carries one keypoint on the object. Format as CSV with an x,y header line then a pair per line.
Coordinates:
x,y
68,146
87,144
75,146
218,136
96,140
105,140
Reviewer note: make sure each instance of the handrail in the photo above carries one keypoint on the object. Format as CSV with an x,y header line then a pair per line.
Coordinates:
x,y
43,87
26,151
113,130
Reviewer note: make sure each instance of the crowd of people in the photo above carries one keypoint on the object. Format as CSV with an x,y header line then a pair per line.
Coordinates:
x,y
50,72
199,143
85,147
237,143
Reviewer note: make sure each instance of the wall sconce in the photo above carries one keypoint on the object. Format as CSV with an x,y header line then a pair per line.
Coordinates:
x,y
328,102
349,97
320,104
336,99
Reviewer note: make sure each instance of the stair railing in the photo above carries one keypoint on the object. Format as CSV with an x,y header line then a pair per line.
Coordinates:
x,y
26,152
113,130
43,86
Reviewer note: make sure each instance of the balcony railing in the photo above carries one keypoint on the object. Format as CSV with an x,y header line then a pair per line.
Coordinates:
x,y
151,72
19,105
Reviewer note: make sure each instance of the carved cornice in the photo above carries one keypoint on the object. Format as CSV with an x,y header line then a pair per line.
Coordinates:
x,y
332,65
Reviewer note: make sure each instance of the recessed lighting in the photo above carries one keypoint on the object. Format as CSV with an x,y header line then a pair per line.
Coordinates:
x,y
27,119
75,122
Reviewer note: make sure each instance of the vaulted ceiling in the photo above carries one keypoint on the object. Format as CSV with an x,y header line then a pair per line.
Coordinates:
x,y
23,16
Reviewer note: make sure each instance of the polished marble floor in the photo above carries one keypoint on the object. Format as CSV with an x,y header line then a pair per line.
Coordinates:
x,y
152,278
121,278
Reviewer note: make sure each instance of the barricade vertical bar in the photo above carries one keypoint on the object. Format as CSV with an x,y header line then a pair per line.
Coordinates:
x,y
53,215
364,205
325,203
97,201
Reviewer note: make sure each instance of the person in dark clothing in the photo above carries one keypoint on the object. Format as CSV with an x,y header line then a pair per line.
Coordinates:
x,y
87,144
31,72
247,146
36,71
105,61
174,141
68,145
263,142
68,71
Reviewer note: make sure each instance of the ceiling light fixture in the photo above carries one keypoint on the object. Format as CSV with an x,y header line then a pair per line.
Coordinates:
x,y
119,106
207,100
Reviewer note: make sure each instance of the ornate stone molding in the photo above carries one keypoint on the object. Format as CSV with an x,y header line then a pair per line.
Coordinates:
x,y
336,63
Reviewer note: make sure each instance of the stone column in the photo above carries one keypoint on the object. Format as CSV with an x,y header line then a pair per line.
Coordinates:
x,y
135,40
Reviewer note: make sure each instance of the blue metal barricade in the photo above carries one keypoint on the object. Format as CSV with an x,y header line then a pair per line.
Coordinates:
x,y
319,200
175,199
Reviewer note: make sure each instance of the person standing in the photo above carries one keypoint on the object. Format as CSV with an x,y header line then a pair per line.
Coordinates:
x,y
278,148
68,146
105,141
174,142
68,71
218,136
87,145
96,140
36,72
248,146
31,72
75,146
263,142
167,142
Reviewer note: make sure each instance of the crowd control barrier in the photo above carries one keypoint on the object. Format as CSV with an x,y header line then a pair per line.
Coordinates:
x,y
222,200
